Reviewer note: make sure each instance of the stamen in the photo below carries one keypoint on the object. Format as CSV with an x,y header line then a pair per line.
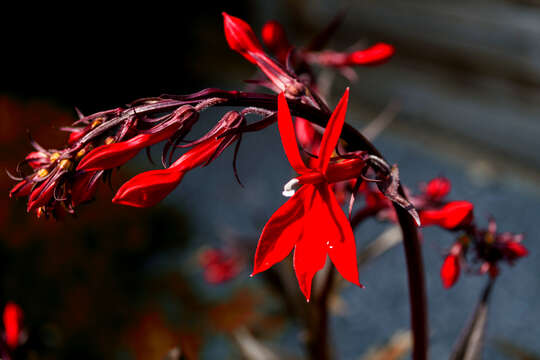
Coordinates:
x,y
290,188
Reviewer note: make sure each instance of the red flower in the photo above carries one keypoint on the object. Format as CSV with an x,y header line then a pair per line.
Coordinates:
x,y
12,318
242,39
451,267
150,187
312,222
219,266
451,216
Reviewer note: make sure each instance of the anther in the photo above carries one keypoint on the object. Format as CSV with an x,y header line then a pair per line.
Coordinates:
x,y
289,188
109,140
96,122
54,157
65,164
42,172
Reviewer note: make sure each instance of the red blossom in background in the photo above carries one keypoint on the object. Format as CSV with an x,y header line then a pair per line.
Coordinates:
x,y
274,37
219,266
12,318
452,215
451,266
312,221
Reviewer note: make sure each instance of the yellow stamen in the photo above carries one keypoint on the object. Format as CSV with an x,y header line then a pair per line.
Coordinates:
x,y
80,153
65,164
42,172
54,157
96,122
109,140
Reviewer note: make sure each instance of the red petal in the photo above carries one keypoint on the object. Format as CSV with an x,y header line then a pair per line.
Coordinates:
x,y
332,132
450,216
12,318
516,249
148,188
22,188
450,270
41,195
338,234
288,137
438,188
281,232
376,54
113,155
197,156
309,253
240,36
83,188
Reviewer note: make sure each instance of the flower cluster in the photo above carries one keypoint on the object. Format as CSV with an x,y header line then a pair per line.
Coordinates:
x,y
486,247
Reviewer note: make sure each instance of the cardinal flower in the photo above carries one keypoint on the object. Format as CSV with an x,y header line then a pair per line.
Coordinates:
x,y
312,221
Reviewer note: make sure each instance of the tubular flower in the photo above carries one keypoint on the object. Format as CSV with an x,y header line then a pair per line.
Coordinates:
x,y
242,39
312,222
150,187
374,55
451,266
12,319
453,215
437,188
109,156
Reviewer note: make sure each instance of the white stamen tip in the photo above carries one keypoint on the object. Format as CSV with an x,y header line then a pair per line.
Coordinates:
x,y
288,189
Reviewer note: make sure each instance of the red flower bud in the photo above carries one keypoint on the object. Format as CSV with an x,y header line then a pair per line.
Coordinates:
x,y
240,36
23,188
374,55
450,216
116,154
84,186
74,136
438,188
37,159
514,250
148,188
450,270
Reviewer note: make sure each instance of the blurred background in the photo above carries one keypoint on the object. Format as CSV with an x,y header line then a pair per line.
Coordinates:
x,y
124,283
